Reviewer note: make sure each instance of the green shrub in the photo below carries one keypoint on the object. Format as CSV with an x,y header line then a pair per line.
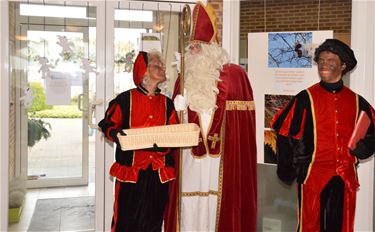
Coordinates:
x,y
39,109
70,111
36,130
74,100
39,101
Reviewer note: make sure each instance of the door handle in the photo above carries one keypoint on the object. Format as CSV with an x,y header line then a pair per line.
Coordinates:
x,y
91,112
80,97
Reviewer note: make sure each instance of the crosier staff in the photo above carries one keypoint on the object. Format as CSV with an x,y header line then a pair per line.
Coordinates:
x,y
185,25
184,31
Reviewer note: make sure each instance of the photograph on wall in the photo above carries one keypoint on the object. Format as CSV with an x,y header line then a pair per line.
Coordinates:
x,y
290,50
269,146
272,104
280,65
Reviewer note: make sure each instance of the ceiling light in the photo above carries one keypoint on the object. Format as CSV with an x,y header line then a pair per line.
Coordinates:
x,y
133,15
53,11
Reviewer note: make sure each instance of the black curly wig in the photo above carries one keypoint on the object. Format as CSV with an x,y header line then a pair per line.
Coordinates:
x,y
344,52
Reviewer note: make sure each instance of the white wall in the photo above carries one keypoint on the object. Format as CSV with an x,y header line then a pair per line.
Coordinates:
x,y
362,82
231,29
4,124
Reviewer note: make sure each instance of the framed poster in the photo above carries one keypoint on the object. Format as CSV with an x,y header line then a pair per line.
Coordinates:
x,y
280,65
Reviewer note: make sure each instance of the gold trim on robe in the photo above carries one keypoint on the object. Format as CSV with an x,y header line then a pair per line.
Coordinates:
x,y
240,105
211,143
201,194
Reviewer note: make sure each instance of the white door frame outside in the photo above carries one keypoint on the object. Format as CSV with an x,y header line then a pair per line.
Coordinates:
x,y
362,81
4,116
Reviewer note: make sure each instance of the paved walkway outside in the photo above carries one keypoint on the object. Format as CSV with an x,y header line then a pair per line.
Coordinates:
x,y
61,154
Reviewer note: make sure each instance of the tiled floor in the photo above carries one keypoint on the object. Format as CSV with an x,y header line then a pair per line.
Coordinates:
x,y
58,156
34,194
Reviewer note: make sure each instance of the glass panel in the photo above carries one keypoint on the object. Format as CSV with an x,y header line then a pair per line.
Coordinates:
x,y
126,49
277,202
51,72
56,108
130,37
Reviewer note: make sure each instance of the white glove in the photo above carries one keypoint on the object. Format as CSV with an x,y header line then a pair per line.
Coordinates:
x,y
180,103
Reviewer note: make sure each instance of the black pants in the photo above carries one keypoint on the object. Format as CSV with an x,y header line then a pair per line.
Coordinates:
x,y
140,206
331,205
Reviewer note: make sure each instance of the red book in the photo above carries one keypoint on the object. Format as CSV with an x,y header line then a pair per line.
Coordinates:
x,y
360,130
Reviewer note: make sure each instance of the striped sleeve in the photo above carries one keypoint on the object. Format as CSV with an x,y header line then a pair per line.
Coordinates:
x,y
289,124
112,119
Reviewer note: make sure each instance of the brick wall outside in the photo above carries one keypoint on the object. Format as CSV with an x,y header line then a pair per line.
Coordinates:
x,y
296,15
290,15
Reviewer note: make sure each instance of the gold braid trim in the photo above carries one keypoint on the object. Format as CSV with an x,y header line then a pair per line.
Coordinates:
x,y
201,194
240,105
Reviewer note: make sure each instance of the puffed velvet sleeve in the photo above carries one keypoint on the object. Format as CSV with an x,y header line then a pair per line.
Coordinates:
x,y
366,146
112,119
173,118
288,124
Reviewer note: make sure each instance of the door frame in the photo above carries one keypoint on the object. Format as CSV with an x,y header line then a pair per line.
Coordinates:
x,y
100,174
4,116
362,82
22,118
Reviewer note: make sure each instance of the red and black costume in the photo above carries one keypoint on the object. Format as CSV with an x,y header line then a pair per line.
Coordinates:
x,y
142,176
313,131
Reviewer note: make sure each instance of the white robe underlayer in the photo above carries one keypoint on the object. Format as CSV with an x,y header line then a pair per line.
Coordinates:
x,y
199,187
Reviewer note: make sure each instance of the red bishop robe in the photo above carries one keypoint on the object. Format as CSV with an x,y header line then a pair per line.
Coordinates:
x,y
231,136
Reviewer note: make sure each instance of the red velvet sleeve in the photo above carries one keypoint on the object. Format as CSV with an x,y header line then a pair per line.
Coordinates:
x,y
373,118
112,120
284,119
173,119
289,124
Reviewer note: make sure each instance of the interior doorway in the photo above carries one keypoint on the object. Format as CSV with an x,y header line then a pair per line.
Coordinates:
x,y
53,148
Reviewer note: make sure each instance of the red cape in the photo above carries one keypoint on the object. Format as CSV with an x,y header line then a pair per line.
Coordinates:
x,y
238,202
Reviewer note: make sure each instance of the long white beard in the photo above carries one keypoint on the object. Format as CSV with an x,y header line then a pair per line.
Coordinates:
x,y
202,72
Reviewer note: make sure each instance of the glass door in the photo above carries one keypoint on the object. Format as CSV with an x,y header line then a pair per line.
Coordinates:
x,y
55,83
54,76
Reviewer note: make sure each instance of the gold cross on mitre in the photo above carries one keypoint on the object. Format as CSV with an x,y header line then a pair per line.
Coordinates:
x,y
214,140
